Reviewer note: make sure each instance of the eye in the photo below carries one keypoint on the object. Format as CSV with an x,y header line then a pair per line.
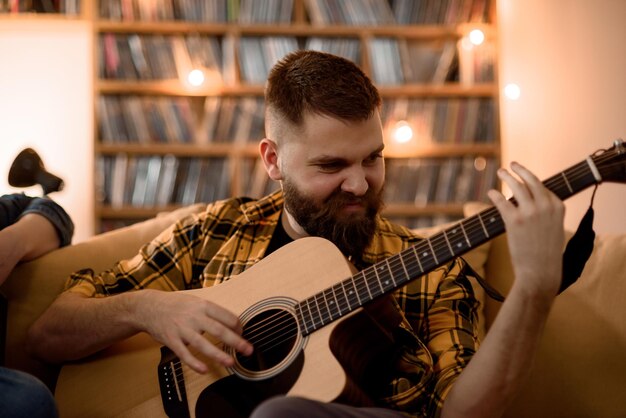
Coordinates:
x,y
330,167
372,159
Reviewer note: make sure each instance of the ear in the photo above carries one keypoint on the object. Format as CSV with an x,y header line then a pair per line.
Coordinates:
x,y
269,153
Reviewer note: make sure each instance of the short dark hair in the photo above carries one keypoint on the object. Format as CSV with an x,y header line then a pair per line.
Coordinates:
x,y
318,82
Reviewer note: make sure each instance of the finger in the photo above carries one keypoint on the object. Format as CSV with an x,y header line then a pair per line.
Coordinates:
x,y
183,353
520,191
227,336
206,348
504,206
536,187
223,316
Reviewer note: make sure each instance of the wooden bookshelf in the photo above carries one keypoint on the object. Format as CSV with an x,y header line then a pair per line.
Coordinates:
x,y
34,9
240,155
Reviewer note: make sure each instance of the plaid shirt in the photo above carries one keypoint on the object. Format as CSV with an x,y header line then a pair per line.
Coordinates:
x,y
438,311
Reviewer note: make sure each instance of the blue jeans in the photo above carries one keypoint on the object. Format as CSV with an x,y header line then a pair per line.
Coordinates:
x,y
292,407
24,396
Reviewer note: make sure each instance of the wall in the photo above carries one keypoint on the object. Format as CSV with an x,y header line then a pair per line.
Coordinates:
x,y
568,58
45,104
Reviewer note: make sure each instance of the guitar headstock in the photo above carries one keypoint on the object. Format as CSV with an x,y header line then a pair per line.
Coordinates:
x,y
611,163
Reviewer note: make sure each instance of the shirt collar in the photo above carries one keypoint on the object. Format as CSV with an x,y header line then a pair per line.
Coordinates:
x,y
264,208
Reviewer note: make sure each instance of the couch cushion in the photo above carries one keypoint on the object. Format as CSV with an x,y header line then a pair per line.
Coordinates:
x,y
580,367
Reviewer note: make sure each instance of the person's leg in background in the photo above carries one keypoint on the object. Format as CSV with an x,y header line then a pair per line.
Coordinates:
x,y
292,407
24,396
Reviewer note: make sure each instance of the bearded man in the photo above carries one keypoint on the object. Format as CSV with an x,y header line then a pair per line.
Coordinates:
x,y
324,145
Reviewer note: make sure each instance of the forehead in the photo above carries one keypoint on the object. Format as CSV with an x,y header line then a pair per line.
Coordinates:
x,y
322,135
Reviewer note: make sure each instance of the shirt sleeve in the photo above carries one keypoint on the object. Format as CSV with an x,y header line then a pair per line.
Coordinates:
x,y
166,263
450,331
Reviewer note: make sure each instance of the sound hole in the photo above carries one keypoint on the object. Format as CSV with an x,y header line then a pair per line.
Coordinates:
x,y
273,334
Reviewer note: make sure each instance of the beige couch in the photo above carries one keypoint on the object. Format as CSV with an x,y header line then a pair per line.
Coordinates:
x,y
580,370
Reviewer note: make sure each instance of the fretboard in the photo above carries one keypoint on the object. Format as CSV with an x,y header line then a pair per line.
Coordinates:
x,y
424,257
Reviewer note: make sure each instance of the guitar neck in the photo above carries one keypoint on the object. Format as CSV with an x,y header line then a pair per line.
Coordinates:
x,y
396,271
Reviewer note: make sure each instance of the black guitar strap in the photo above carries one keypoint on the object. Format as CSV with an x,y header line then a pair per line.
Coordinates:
x,y
579,248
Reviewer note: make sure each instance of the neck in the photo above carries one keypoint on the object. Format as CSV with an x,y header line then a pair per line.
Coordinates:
x,y
292,228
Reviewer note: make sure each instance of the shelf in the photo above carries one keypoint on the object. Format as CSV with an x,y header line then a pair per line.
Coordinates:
x,y
40,16
286,29
175,88
182,150
251,150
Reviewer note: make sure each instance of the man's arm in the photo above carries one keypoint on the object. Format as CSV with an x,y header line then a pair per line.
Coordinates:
x,y
136,296
75,326
535,235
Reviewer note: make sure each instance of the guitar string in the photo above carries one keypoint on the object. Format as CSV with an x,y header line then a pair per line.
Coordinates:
x,y
471,232
443,243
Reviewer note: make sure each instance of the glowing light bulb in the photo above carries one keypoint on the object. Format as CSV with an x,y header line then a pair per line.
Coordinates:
x,y
195,78
402,132
476,37
480,163
512,91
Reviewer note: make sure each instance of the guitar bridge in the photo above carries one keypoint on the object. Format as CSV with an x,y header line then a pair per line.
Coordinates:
x,y
172,385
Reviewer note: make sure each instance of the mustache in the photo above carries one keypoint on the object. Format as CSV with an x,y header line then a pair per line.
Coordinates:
x,y
339,198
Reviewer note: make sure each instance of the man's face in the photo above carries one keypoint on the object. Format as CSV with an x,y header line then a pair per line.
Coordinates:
x,y
332,178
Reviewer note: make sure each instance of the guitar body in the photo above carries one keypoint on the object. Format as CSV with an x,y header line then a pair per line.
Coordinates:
x,y
123,379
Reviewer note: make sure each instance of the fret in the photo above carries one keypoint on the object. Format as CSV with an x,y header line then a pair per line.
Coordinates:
x,y
392,275
567,182
456,239
424,256
483,225
430,244
494,222
319,311
308,310
335,302
448,242
311,313
343,303
469,244
364,280
406,272
300,317
414,248
323,299
380,283
356,291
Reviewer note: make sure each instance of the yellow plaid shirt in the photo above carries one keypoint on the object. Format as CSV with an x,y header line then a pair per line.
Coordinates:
x,y
439,327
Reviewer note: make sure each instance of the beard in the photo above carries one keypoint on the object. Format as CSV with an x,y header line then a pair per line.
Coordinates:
x,y
351,232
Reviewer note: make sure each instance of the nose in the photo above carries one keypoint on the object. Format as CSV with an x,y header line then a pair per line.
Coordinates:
x,y
355,181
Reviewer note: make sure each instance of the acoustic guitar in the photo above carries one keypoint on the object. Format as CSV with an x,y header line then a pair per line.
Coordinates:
x,y
304,308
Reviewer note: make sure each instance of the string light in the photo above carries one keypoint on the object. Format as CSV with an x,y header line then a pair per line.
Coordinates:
x,y
402,132
195,78
476,37
512,91
480,163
